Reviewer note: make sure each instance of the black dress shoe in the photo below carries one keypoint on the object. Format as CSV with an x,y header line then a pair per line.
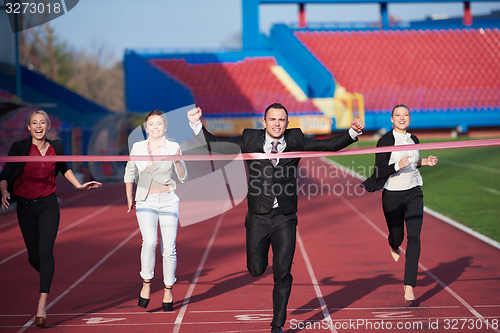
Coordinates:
x,y
276,329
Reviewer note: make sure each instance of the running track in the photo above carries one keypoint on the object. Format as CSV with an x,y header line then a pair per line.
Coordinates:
x,y
342,271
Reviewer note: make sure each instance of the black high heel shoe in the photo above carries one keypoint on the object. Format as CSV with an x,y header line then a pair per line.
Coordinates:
x,y
170,305
143,302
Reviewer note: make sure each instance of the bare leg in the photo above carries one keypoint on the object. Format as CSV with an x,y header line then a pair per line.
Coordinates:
x,y
167,295
42,303
409,297
146,289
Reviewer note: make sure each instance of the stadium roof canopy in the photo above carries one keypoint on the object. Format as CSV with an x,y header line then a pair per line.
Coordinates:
x,y
251,13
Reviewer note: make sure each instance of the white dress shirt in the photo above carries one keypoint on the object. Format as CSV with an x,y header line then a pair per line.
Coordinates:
x,y
409,176
147,171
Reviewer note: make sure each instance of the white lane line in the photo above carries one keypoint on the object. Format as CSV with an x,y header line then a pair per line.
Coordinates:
x,y
88,217
80,221
429,211
490,190
399,308
241,310
334,309
462,227
187,298
434,277
161,313
314,281
62,203
469,165
84,314
12,256
488,306
6,224
75,197
199,323
84,276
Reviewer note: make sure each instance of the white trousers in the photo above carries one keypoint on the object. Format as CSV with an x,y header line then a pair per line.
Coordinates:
x,y
162,208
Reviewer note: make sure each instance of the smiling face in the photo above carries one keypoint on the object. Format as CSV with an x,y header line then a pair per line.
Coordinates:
x,y
38,126
155,126
275,123
401,119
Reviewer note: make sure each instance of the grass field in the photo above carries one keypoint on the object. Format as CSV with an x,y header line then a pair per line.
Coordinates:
x,y
465,185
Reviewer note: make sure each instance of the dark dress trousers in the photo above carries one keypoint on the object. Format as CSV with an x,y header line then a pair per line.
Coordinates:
x,y
398,207
267,226
38,218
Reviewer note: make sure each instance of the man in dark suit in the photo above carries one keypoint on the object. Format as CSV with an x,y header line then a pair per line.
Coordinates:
x,y
272,192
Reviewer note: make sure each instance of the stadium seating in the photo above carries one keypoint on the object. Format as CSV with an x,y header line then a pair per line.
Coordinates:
x,y
421,68
240,88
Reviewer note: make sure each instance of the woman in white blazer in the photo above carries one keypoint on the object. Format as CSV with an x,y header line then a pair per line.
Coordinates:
x,y
156,202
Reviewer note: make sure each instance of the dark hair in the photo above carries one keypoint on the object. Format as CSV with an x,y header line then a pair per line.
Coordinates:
x,y
275,106
155,113
399,106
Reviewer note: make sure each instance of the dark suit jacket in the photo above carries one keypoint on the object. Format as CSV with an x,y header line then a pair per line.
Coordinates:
x,y
382,167
266,182
22,148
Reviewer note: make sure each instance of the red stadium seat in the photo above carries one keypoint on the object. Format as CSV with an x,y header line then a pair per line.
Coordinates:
x,y
246,86
422,63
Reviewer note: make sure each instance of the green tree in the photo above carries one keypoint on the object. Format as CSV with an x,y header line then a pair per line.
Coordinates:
x,y
93,75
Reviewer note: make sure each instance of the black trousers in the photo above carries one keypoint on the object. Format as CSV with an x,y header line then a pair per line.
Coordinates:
x,y
39,222
278,231
400,207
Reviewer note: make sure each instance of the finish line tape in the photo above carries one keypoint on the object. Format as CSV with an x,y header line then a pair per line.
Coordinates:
x,y
250,156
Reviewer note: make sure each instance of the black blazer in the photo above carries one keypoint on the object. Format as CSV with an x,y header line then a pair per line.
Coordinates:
x,y
382,167
12,170
262,175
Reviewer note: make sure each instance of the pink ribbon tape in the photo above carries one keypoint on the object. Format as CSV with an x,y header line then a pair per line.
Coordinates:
x,y
249,156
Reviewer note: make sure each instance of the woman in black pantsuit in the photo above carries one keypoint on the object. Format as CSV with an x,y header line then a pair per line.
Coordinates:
x,y
402,198
33,185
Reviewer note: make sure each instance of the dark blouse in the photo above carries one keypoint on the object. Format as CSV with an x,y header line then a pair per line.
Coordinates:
x,y
12,170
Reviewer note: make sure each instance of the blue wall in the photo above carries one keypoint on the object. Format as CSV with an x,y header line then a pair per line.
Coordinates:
x,y
320,80
209,57
68,106
147,88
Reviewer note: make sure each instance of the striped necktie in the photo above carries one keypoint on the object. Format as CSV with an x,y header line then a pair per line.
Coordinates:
x,y
274,150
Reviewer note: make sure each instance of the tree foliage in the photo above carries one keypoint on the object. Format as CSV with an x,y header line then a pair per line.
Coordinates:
x,y
91,74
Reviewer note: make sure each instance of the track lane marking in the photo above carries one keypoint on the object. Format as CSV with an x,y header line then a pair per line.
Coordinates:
x,y
462,227
250,330
81,279
427,210
82,314
189,293
434,277
6,224
62,202
80,221
469,166
314,281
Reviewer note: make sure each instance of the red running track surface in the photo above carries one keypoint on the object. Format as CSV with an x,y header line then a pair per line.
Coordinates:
x,y
342,270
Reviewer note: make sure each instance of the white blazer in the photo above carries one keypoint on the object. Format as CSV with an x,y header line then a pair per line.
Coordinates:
x,y
162,172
